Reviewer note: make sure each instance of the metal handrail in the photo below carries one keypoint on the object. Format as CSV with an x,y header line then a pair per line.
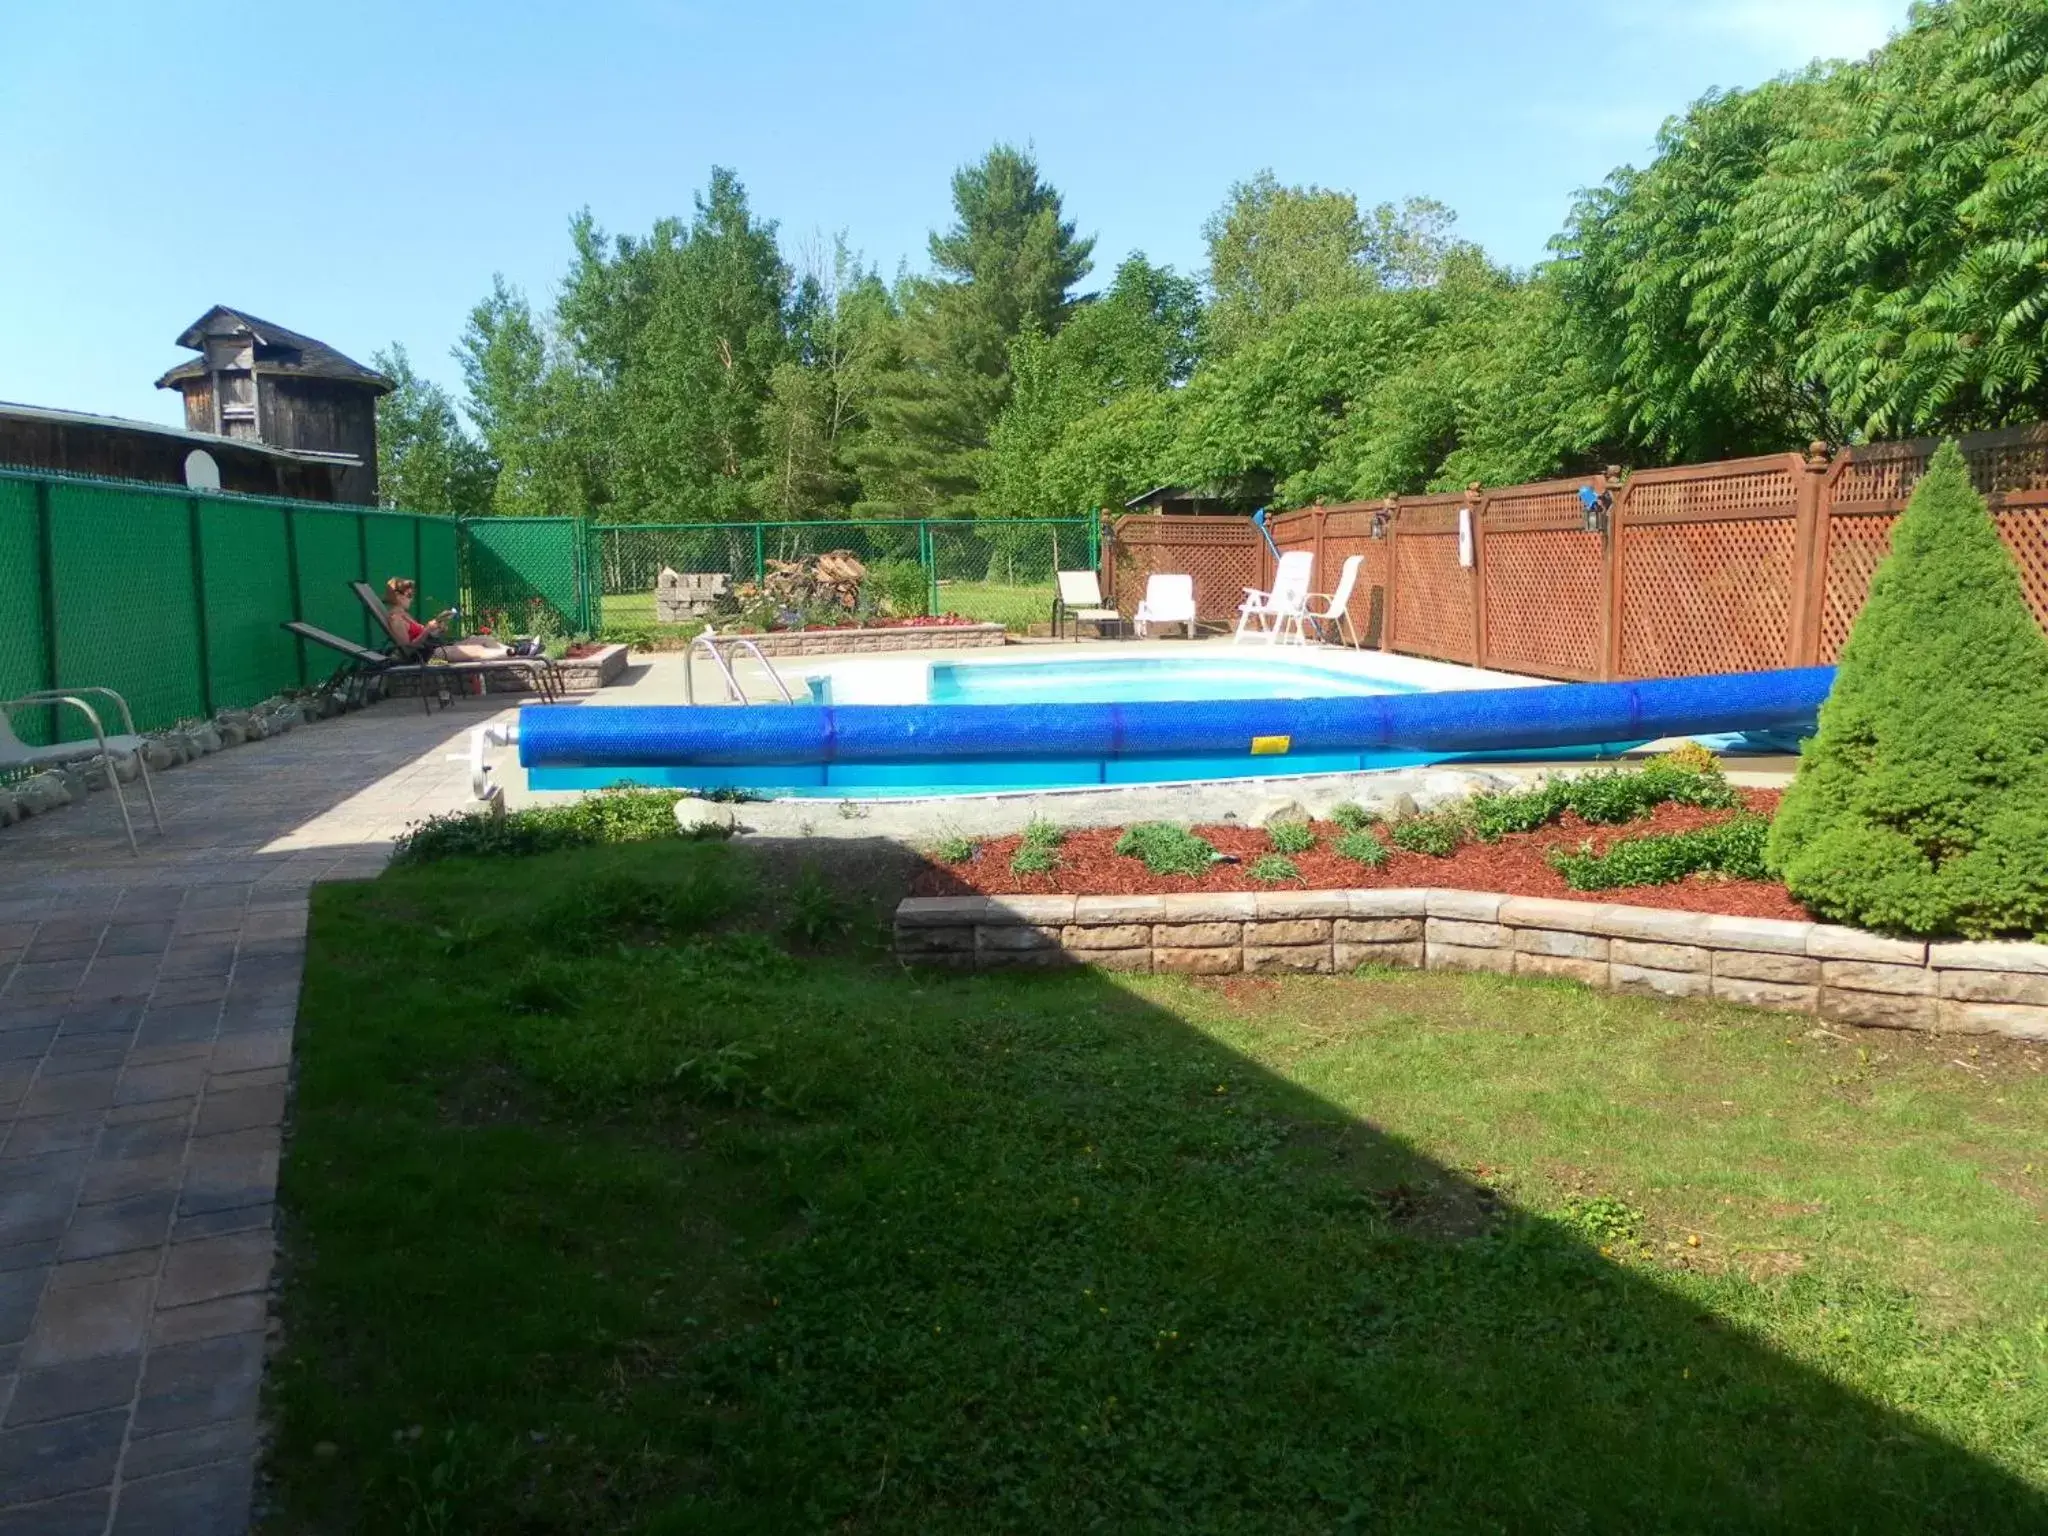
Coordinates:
x,y
781,687
709,640
732,684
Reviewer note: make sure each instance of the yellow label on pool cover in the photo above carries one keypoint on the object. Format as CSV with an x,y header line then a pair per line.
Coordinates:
x,y
1271,746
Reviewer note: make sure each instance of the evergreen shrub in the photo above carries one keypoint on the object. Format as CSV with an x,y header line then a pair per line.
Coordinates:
x,y
1921,806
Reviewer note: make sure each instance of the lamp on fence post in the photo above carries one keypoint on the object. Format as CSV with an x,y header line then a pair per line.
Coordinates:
x,y
1382,517
1594,502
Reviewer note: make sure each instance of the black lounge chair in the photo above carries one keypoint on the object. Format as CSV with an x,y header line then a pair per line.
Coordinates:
x,y
540,673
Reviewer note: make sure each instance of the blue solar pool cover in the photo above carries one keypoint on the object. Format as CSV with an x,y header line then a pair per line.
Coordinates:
x,y
1479,720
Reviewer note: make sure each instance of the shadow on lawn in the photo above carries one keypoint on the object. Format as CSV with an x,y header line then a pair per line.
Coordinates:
x,y
1050,1258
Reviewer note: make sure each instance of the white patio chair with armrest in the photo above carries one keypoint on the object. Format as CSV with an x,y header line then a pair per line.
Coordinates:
x,y
1336,606
1079,598
1277,612
16,753
1169,600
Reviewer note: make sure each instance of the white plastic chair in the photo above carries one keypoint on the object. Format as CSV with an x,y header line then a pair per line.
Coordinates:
x,y
1168,600
1336,606
1278,614
17,754
1080,598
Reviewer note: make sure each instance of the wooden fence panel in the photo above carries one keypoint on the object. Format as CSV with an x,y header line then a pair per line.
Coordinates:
x,y
1705,557
1543,583
1223,554
1433,597
1868,487
1347,531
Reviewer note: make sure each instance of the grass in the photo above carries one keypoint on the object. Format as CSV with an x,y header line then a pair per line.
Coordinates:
x,y
1017,607
1291,836
659,1223
1273,869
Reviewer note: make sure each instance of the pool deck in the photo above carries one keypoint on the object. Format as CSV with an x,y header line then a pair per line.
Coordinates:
x,y
147,1011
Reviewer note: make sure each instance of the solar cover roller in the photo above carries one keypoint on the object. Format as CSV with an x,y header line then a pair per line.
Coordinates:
x,y
1481,720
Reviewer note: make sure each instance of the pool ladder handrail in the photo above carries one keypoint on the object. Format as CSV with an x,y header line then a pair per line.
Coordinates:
x,y
709,640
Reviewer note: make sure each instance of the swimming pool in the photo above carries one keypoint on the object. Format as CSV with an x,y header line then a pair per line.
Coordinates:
x,y
1098,679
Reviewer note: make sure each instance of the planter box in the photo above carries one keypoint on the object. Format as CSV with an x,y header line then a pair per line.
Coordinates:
x,y
1838,973
584,675
844,642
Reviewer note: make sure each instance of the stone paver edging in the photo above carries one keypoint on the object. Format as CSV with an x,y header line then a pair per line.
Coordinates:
x,y
1843,974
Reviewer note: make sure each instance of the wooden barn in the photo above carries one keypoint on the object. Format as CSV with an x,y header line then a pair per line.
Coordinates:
x,y
255,381
113,447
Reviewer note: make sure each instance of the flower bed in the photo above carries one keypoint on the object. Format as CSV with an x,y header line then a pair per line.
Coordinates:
x,y
1517,865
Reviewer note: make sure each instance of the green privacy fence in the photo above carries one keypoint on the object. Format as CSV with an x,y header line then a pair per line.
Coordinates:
x,y
174,598
998,569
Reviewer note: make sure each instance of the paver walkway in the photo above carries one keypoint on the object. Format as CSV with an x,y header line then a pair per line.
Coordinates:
x,y
146,1013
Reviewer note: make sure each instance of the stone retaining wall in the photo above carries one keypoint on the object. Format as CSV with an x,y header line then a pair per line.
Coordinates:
x,y
1842,974
846,642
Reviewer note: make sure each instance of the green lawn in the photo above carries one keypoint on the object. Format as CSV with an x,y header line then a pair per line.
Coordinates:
x,y
1019,607
639,1199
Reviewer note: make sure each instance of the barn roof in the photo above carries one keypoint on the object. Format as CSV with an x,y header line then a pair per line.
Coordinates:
x,y
12,410
278,350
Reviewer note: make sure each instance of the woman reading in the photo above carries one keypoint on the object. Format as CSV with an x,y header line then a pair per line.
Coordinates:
x,y
409,632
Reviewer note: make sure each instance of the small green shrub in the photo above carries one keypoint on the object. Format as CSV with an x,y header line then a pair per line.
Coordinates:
x,y
1353,817
1291,836
1605,799
1734,848
1272,868
1034,859
1437,834
1362,847
610,816
898,588
1166,849
954,850
1040,833
1922,803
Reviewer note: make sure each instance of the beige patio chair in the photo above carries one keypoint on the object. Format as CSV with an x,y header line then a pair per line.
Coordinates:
x,y
1079,599
16,754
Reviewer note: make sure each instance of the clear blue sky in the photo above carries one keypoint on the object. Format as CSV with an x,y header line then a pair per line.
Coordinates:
x,y
358,171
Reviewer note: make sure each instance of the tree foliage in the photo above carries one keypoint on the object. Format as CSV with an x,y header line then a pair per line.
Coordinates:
x,y
1922,804
1852,251
426,462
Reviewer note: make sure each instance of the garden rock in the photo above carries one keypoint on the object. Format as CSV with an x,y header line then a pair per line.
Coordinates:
x,y
1401,807
162,754
10,813
1284,810
696,818
42,792
205,737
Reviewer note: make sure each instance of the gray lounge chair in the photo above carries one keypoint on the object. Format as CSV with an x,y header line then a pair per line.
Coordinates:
x,y
16,754
540,673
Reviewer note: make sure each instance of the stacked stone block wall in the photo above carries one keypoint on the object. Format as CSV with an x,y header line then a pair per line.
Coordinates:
x,y
1842,974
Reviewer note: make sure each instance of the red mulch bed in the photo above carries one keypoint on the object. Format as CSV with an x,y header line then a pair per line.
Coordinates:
x,y
585,650
1514,866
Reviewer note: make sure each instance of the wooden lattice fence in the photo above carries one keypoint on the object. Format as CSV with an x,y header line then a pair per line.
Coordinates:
x,y
1728,567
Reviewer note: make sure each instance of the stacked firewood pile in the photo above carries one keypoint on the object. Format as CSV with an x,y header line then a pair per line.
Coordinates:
x,y
828,581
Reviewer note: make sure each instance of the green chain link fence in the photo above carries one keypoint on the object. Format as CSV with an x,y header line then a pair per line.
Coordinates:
x,y
175,598
995,569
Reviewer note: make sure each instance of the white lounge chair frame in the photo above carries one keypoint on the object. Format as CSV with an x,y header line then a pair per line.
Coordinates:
x,y
16,753
1276,616
1336,606
1169,599
1079,599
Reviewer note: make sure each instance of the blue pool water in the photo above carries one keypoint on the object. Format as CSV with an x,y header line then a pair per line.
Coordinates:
x,y
1147,679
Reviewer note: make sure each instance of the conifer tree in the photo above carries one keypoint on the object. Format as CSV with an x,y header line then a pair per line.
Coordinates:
x,y
1922,804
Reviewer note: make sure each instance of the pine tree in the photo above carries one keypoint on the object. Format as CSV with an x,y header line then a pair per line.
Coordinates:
x,y
1922,804
1009,261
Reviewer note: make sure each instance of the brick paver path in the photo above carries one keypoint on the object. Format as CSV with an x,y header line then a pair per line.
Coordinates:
x,y
146,1012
